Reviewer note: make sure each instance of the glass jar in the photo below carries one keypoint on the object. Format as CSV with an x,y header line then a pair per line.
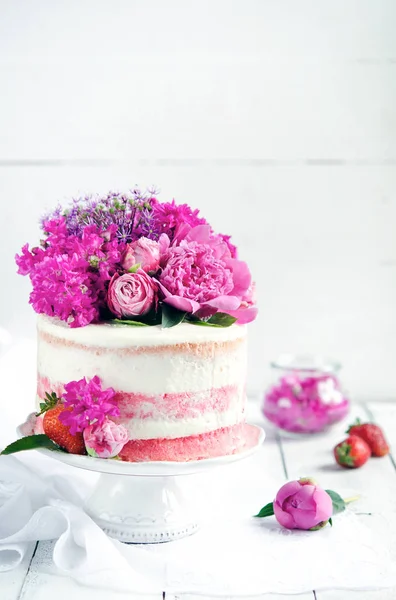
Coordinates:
x,y
306,395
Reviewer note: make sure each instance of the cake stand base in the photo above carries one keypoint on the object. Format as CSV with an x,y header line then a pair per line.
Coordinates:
x,y
141,510
143,502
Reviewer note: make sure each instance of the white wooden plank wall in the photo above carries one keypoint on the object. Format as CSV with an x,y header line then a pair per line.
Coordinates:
x,y
276,117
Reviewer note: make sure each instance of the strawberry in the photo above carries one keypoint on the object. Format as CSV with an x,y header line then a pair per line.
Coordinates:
x,y
352,452
372,435
56,430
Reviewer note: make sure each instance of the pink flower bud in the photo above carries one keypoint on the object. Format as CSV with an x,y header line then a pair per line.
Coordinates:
x,y
143,253
302,505
131,294
106,440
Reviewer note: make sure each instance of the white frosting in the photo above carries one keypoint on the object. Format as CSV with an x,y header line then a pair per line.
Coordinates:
x,y
168,372
105,335
148,429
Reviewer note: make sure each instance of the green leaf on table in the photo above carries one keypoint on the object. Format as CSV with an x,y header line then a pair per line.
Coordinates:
x,y
129,322
338,502
266,511
331,522
171,316
31,442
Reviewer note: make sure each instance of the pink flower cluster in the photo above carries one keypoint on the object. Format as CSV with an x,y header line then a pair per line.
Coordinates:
x,y
69,273
305,404
88,410
84,274
89,404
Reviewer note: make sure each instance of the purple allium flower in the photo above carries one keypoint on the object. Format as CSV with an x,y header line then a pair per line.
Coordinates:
x,y
130,215
89,404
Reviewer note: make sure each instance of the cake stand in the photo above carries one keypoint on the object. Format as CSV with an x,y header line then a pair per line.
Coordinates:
x,y
144,503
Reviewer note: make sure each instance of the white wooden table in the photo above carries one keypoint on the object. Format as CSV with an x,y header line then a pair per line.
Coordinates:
x,y
37,579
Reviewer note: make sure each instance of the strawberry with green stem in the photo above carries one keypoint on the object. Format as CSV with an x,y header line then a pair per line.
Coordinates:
x,y
373,435
352,452
59,433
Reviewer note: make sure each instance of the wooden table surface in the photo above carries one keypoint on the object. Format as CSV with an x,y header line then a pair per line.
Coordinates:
x,y
36,578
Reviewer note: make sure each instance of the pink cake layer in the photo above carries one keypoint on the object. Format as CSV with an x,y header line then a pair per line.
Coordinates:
x,y
222,442
179,405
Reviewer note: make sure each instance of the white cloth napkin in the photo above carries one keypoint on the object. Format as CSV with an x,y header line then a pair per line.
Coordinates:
x,y
232,554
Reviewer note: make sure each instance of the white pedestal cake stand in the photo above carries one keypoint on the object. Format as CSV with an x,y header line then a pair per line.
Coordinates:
x,y
144,503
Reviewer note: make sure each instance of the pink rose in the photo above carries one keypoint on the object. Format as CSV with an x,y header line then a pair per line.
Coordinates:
x,y
131,294
143,253
200,273
302,505
106,440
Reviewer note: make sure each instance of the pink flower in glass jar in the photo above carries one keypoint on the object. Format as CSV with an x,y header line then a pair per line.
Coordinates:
x,y
302,505
106,440
131,294
144,254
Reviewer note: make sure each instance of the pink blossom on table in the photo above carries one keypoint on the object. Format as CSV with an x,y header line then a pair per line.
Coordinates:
x,y
305,404
89,404
105,440
199,272
144,253
132,294
302,505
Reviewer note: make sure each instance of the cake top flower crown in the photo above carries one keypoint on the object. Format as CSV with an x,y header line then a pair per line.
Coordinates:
x,y
129,258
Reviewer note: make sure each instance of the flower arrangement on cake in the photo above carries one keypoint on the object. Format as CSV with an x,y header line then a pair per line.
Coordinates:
x,y
130,258
112,277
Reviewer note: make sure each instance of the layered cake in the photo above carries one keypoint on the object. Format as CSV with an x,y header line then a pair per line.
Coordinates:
x,y
141,331
180,391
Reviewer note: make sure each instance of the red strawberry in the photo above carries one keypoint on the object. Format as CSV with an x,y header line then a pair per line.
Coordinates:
x,y
56,430
352,452
60,433
372,435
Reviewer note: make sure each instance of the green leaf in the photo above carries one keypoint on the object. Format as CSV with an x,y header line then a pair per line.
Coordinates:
x,y
129,322
338,502
266,511
171,316
30,442
222,319
134,268
217,320
331,522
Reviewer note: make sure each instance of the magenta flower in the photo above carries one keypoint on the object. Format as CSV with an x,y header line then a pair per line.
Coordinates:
x,y
143,253
131,294
169,217
105,440
305,404
89,404
200,273
69,273
302,505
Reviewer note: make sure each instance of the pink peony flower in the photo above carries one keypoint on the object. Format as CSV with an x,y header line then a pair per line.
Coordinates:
x,y
302,505
105,440
143,253
200,273
131,294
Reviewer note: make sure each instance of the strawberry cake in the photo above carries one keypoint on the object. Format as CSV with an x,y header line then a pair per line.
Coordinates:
x,y
180,391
